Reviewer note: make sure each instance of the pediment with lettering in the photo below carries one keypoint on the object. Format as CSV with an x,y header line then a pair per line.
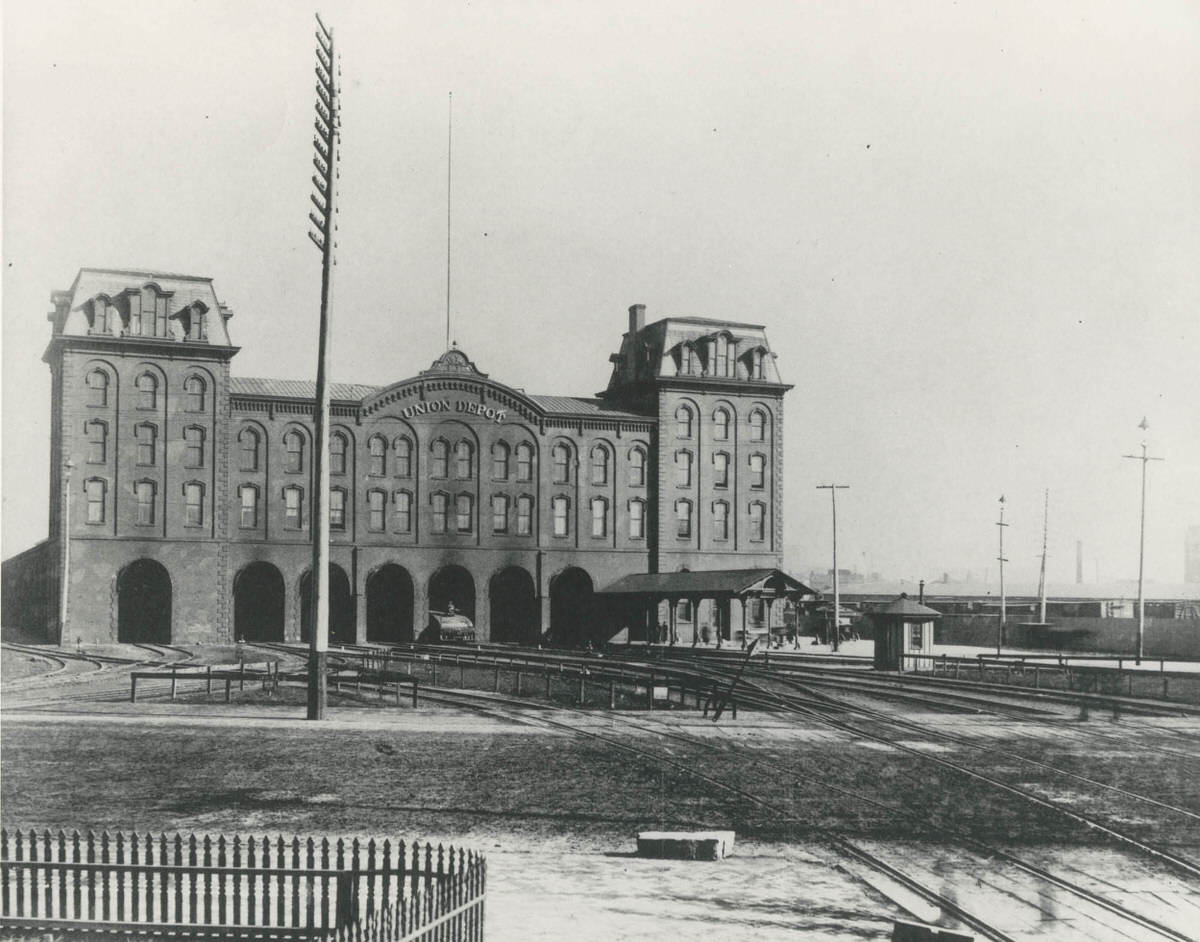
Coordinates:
x,y
454,361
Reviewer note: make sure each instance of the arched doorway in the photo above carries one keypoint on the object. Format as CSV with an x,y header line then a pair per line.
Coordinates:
x,y
390,604
572,608
258,603
514,606
452,584
144,603
341,607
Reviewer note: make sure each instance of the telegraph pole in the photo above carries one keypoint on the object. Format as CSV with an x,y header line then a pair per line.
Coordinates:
x,y
1003,600
65,588
837,596
325,159
1141,603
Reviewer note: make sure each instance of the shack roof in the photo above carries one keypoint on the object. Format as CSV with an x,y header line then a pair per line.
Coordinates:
x,y
709,583
904,607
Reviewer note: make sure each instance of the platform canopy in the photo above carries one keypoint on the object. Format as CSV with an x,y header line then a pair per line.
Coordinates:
x,y
710,584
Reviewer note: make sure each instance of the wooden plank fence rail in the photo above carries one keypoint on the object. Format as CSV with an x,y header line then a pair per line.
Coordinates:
x,y
240,887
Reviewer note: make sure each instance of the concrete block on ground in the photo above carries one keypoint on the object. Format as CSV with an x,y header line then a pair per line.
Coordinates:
x,y
685,845
919,932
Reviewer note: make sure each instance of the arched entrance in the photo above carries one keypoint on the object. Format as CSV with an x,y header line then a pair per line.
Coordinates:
x,y
258,603
390,604
144,603
514,606
341,607
452,584
572,608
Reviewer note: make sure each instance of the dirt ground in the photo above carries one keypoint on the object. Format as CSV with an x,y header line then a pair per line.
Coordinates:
x,y
557,814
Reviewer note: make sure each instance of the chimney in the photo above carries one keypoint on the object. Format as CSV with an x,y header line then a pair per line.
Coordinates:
x,y
921,596
637,318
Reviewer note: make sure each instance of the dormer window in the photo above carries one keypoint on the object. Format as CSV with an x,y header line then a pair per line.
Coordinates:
x,y
721,356
687,359
97,316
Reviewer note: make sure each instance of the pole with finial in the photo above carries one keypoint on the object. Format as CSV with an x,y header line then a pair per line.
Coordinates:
x,y
449,166
324,220
1141,600
1003,600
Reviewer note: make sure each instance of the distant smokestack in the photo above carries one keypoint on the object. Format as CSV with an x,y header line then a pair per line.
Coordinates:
x,y
921,592
637,318
1079,562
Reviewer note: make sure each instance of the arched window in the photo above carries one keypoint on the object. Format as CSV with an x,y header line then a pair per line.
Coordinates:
x,y
144,492
599,465
193,394
146,435
758,464
193,504
721,424
758,426
499,513
637,519
249,501
637,467
683,468
720,469
95,489
500,461
463,454
561,459
293,448
561,507
147,388
248,442
97,439
683,519
757,521
377,454
439,453
438,504
599,517
720,511
97,386
193,451
337,508
683,422
402,512
293,507
462,513
404,448
524,462
377,510
524,515
337,453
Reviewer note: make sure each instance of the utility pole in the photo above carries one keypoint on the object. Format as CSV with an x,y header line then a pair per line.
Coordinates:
x,y
66,558
1042,577
1003,599
837,596
325,159
1141,603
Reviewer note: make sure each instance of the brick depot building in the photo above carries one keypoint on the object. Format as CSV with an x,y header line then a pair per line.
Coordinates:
x,y
187,506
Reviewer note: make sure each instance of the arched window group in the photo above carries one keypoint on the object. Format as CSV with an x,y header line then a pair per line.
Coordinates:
x,y
337,453
377,456
97,388
147,391
560,459
249,442
293,452
600,465
194,390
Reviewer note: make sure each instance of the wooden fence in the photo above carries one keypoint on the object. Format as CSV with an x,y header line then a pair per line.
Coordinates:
x,y
240,887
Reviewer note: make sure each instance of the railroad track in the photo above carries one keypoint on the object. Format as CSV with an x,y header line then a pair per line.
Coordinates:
x,y
546,717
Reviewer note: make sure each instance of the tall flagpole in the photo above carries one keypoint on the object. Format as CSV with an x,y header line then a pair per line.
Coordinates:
x,y
325,159
1141,601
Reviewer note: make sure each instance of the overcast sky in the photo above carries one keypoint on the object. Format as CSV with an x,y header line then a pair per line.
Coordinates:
x,y
971,229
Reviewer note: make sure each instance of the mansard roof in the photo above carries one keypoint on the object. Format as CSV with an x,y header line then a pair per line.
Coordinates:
x,y
111,284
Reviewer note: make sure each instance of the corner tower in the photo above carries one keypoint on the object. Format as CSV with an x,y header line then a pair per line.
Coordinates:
x,y
714,388
139,364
